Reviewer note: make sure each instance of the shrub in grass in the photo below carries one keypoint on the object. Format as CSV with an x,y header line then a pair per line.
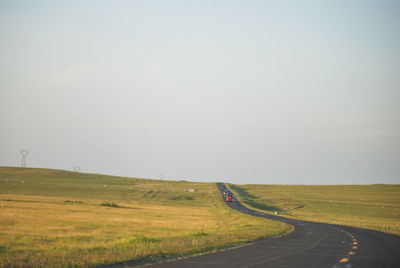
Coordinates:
x,y
145,239
106,204
74,201
200,233
181,197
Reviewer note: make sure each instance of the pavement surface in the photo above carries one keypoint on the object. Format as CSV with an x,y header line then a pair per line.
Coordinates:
x,y
310,245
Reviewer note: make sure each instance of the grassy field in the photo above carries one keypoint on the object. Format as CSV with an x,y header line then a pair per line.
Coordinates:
x,y
374,207
58,218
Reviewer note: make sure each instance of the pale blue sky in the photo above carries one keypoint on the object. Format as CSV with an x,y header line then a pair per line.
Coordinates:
x,y
294,92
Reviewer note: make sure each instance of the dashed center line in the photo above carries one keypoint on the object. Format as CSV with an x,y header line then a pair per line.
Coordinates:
x,y
354,247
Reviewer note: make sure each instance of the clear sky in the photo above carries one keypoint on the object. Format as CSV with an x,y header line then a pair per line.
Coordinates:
x,y
291,92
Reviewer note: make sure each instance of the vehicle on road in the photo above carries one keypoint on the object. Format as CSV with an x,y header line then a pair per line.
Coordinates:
x,y
228,198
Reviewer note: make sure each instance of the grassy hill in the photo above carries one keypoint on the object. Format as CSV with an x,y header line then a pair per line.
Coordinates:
x,y
374,207
58,218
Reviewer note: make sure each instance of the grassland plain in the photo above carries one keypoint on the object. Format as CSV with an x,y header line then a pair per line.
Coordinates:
x,y
58,218
375,207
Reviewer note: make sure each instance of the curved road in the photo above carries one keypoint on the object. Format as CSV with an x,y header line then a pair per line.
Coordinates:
x,y
310,245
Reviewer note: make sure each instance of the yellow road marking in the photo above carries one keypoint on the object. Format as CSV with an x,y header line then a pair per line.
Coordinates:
x,y
354,243
344,260
355,247
352,253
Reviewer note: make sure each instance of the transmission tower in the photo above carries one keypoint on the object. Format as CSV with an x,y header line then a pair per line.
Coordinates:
x,y
24,154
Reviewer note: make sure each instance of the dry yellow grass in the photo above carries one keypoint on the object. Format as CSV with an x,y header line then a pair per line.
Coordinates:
x,y
153,218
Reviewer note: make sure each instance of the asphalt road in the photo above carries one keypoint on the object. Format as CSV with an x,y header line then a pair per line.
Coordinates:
x,y
310,245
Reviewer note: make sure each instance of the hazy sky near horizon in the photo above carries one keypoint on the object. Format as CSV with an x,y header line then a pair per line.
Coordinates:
x,y
291,92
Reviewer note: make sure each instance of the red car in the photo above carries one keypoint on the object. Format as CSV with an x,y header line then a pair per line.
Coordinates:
x,y
228,198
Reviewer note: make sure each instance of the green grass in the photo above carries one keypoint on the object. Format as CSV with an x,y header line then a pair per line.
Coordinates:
x,y
253,201
58,218
374,207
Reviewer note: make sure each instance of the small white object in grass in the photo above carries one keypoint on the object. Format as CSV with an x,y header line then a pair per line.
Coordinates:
x,y
22,181
105,186
276,213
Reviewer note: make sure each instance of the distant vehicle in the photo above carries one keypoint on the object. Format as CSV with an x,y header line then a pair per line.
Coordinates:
x,y
228,198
